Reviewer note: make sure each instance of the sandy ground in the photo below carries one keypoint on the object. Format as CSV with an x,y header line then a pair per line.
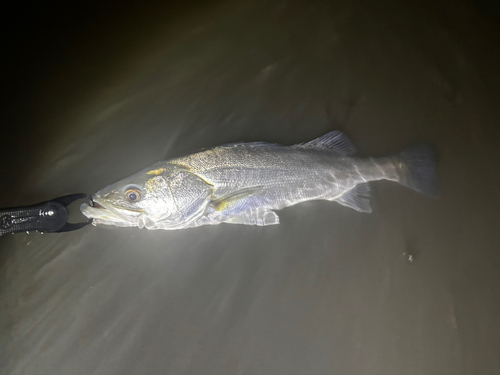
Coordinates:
x,y
412,288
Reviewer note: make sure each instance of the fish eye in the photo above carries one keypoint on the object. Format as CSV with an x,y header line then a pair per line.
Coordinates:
x,y
133,195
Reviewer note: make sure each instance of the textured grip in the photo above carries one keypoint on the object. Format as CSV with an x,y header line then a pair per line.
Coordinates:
x,y
44,217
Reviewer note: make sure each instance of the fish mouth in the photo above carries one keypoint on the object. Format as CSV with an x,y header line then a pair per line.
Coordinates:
x,y
105,213
98,205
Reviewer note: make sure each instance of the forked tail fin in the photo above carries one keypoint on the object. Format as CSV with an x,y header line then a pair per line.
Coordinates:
x,y
418,169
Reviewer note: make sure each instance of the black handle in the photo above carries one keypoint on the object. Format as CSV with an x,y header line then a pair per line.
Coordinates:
x,y
50,216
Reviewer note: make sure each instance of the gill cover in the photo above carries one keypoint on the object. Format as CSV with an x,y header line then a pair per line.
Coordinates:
x,y
177,196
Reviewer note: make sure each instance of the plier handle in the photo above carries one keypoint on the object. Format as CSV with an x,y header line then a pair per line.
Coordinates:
x,y
49,216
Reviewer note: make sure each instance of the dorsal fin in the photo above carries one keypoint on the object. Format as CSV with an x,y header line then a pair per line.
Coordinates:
x,y
256,144
333,141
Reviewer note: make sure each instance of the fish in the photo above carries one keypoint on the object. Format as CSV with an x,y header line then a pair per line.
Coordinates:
x,y
246,183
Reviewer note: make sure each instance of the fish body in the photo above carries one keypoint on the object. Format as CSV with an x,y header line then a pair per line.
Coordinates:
x,y
244,183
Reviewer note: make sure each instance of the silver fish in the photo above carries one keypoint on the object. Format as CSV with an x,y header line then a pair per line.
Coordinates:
x,y
244,183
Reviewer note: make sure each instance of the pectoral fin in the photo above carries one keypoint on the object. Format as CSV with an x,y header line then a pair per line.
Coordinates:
x,y
234,201
241,207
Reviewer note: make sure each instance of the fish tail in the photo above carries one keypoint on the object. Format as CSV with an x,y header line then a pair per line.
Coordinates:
x,y
417,169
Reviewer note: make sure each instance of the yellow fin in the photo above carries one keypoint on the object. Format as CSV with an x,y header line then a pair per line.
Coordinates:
x,y
156,171
234,199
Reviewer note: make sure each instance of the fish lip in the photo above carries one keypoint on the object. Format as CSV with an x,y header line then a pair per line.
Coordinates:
x,y
102,205
103,212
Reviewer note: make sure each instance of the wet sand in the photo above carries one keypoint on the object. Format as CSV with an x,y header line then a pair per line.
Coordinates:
x,y
412,288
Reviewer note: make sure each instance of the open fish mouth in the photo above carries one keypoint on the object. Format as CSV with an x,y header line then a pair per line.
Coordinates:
x,y
107,214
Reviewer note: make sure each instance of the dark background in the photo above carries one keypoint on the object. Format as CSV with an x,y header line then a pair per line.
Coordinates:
x,y
96,92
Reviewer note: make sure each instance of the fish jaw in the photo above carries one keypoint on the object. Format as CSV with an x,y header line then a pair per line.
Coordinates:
x,y
103,213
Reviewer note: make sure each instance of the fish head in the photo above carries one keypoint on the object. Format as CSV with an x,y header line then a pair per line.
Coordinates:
x,y
158,197
136,201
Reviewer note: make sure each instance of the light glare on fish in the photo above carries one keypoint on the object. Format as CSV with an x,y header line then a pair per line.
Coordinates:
x,y
245,183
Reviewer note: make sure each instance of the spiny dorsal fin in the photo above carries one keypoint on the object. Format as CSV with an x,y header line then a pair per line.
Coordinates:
x,y
333,141
357,198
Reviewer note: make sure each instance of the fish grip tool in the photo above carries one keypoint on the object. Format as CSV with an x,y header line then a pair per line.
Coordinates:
x,y
49,216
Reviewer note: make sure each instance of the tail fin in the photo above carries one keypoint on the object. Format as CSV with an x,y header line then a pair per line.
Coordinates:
x,y
418,169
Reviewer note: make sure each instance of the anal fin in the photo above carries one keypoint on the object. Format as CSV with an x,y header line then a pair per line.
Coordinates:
x,y
357,198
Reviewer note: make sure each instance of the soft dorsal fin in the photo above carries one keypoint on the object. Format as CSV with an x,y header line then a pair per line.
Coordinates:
x,y
333,141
